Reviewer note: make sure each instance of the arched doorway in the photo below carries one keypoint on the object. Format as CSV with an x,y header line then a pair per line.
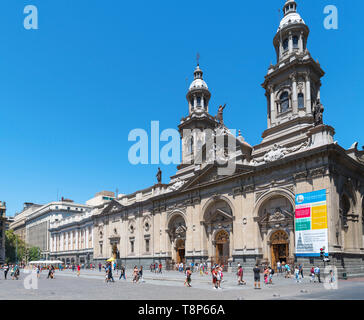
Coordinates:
x,y
222,245
177,235
275,218
218,221
279,245
180,251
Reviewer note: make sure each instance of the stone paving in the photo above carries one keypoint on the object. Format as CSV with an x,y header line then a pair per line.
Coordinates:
x,y
90,285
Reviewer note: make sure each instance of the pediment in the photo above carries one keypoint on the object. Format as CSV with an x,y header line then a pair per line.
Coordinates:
x,y
113,207
275,216
210,174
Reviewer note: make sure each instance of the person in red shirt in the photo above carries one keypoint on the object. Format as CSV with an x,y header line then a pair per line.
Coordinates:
x,y
160,268
78,270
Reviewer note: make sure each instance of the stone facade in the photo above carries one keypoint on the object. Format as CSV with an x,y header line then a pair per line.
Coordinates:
x,y
71,239
248,216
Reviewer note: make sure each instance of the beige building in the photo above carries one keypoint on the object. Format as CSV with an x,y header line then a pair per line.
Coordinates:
x,y
19,221
207,213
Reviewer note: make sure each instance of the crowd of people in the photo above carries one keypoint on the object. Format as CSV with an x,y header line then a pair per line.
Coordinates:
x,y
14,270
216,271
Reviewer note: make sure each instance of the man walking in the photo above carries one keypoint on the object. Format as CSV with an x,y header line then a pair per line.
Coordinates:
x,y
256,271
300,270
6,270
317,273
122,272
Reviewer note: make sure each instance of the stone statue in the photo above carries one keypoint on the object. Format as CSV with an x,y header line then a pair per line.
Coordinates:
x,y
159,176
318,110
219,116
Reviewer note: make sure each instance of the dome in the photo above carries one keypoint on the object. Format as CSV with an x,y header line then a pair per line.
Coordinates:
x,y
292,17
198,84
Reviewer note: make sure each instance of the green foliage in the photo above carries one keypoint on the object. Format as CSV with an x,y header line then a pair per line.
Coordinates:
x,y
16,249
34,254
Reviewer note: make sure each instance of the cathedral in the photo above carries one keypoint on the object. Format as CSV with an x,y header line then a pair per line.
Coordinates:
x,y
293,196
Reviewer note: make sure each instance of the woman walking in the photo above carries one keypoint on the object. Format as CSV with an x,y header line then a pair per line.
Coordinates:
x,y
135,275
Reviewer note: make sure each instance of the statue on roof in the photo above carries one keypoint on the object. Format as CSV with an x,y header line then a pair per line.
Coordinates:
x,y
159,176
318,110
219,116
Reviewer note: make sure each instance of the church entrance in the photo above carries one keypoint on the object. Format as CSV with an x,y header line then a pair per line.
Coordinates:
x,y
180,251
222,248
279,248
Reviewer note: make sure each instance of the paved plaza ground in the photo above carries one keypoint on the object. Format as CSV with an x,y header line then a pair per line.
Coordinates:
x,y
90,285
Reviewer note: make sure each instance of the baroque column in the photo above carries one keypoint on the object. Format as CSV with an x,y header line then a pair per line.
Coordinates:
x,y
294,93
308,94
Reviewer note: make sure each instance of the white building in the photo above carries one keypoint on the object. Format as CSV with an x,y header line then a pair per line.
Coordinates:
x,y
38,222
71,238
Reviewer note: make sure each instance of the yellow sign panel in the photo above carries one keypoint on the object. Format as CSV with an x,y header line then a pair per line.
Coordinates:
x,y
319,217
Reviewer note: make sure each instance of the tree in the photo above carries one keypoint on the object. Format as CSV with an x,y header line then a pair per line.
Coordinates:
x,y
14,247
16,250
34,253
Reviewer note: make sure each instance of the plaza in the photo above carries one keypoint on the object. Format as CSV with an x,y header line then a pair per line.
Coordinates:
x,y
91,285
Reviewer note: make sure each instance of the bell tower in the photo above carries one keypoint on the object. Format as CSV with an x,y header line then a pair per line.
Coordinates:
x,y
193,127
293,84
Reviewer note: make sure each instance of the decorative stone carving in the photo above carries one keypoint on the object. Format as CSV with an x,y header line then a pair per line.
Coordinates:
x,y
278,152
177,185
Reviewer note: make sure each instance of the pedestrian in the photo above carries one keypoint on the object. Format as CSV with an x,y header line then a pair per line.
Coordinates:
x,y
312,271
240,275
6,269
100,267
122,272
266,273
214,277
279,266
256,272
300,268
317,272
160,267
78,270
49,272
110,277
270,275
218,277
141,273
135,275
297,273
188,277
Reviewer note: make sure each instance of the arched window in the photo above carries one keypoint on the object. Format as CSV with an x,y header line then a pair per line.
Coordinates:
x,y
284,101
301,102
198,101
285,45
295,42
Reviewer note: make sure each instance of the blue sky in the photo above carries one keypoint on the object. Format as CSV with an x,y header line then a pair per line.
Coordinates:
x,y
71,91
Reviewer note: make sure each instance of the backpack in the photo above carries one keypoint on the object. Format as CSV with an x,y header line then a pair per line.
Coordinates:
x,y
272,271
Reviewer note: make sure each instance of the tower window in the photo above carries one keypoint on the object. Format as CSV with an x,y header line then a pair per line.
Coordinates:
x,y
284,101
301,102
198,101
285,44
295,42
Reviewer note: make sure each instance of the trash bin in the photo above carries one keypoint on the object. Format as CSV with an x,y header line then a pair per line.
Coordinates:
x,y
345,276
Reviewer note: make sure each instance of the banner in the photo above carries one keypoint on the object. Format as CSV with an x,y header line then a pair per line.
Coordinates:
x,y
311,231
